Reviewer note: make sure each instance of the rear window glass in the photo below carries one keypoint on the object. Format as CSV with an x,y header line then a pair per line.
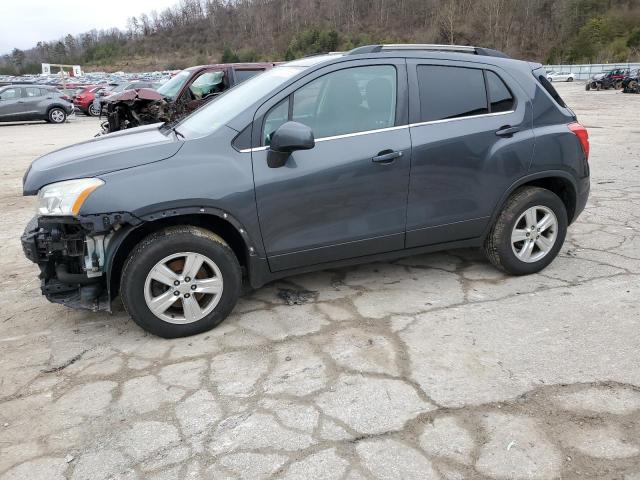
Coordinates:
x,y
242,75
546,84
450,92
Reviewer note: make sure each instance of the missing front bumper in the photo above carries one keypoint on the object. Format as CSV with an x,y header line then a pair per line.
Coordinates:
x,y
69,273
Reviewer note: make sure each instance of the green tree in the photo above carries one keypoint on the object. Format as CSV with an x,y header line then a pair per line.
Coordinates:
x,y
17,58
229,56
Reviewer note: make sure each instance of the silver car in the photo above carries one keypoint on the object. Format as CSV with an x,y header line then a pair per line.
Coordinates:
x,y
34,102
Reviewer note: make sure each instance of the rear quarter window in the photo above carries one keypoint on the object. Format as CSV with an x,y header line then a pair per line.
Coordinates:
x,y
546,84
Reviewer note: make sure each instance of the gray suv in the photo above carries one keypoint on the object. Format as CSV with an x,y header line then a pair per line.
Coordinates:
x,y
332,160
33,102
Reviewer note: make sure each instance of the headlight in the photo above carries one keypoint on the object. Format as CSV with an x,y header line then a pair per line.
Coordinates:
x,y
66,198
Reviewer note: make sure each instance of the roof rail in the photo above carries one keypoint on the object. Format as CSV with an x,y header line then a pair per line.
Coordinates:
x,y
429,47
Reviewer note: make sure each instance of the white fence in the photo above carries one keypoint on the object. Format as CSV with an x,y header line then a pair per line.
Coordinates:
x,y
586,71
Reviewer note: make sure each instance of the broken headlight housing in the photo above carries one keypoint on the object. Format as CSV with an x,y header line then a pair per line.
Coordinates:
x,y
66,198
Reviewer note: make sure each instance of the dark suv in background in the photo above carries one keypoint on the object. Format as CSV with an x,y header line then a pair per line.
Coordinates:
x,y
382,152
33,102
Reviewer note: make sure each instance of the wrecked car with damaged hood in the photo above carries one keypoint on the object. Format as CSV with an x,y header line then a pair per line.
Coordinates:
x,y
315,164
185,92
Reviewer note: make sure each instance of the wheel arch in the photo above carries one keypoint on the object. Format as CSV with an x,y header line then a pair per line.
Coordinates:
x,y
227,228
557,181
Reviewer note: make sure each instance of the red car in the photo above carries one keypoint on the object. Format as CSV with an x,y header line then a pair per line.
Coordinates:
x,y
83,100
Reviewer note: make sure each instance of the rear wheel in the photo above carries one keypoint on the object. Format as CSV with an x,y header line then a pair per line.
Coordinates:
x,y
529,232
93,110
570,79
587,87
181,281
618,85
57,115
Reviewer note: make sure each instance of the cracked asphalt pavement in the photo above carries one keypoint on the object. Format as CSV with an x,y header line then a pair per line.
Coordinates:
x,y
435,366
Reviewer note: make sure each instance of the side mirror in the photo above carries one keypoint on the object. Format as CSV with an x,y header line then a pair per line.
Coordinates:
x,y
291,136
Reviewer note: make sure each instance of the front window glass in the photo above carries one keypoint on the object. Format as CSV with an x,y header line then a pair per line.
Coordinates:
x,y
10,93
172,87
277,116
353,100
234,101
207,84
450,92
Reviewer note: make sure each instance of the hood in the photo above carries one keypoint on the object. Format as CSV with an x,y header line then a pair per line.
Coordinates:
x,y
108,153
138,93
599,76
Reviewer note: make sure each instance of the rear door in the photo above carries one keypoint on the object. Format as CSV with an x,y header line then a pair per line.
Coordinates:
x,y
472,138
32,98
347,196
10,103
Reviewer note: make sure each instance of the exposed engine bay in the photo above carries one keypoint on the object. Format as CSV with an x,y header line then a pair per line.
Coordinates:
x,y
177,98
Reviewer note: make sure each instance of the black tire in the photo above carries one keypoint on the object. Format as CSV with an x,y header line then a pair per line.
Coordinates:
x,y
57,115
93,111
570,79
587,87
498,248
156,247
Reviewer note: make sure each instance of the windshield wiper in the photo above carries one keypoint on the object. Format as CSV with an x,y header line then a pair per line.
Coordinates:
x,y
166,126
177,132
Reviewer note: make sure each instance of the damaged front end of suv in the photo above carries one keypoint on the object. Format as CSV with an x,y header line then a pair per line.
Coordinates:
x,y
71,241
70,252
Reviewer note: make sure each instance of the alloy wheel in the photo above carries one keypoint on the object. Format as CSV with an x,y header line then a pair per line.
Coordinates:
x,y
183,288
534,234
57,116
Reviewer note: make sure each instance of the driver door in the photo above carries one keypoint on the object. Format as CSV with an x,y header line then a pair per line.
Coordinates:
x,y
10,103
347,196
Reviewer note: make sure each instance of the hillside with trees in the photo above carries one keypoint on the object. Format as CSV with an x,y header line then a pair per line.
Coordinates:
x,y
209,31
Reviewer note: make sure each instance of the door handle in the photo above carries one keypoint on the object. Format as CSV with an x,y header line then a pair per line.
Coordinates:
x,y
507,131
386,156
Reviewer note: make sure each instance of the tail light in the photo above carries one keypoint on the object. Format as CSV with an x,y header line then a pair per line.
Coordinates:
x,y
579,131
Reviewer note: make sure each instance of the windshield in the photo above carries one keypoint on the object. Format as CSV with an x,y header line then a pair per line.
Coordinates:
x,y
172,87
221,110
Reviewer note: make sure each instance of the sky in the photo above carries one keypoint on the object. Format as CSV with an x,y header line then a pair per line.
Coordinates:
x,y
25,22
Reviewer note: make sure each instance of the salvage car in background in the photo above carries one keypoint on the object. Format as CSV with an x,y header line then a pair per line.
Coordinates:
x,y
607,80
103,95
560,77
631,83
84,97
185,92
34,102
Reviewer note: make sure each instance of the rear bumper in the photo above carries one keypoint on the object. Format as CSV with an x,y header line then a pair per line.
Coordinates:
x,y
584,187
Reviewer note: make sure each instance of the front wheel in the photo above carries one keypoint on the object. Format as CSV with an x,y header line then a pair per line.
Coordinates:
x,y
180,281
57,115
529,232
570,79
